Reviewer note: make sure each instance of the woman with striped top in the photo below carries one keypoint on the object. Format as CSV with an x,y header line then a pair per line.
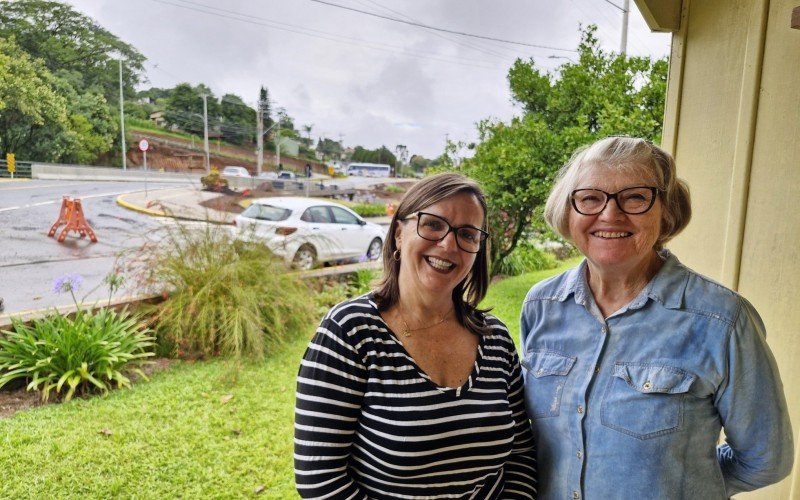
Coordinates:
x,y
411,391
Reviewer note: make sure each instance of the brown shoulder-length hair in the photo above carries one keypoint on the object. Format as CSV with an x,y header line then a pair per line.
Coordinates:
x,y
467,294
625,154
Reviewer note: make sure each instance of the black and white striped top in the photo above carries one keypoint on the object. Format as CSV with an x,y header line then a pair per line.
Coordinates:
x,y
370,424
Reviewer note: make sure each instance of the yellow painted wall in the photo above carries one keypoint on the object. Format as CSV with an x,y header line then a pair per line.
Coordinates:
x,y
733,123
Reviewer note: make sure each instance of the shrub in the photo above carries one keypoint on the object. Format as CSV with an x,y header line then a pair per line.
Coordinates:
x,y
214,181
394,188
91,350
526,258
369,209
223,296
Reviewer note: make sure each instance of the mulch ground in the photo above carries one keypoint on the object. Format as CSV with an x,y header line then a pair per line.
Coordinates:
x,y
17,398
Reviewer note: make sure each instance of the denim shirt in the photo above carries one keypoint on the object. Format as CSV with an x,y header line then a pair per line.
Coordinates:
x,y
631,406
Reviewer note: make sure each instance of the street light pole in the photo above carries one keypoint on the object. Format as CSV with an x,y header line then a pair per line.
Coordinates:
x,y
205,133
624,42
122,118
259,137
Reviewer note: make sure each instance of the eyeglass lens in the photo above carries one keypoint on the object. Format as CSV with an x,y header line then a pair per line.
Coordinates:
x,y
434,228
634,200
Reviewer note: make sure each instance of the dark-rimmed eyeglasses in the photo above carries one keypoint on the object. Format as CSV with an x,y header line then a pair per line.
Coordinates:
x,y
633,200
434,228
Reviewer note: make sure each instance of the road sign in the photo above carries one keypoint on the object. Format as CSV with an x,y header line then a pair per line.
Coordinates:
x,y
11,163
143,145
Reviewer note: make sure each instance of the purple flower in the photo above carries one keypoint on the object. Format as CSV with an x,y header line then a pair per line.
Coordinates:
x,y
67,283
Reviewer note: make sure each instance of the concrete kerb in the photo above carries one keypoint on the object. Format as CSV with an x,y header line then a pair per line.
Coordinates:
x,y
186,210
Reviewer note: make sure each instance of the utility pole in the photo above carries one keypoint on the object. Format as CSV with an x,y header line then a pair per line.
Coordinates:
x,y
623,46
259,137
278,142
205,133
122,118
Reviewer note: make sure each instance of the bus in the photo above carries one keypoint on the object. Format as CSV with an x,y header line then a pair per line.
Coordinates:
x,y
369,169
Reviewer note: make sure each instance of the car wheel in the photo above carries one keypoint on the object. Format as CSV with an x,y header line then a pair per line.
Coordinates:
x,y
374,250
305,258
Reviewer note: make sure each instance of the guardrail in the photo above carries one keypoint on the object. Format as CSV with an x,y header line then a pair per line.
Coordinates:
x,y
23,170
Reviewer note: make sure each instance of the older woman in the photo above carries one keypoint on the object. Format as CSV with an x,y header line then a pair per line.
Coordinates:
x,y
411,391
633,362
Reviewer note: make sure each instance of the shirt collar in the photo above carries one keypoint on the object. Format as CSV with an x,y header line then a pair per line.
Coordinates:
x,y
666,287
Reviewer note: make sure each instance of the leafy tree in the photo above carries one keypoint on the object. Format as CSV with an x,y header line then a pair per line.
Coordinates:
x,y
329,148
34,122
381,155
72,46
307,129
94,126
419,163
602,94
237,119
184,108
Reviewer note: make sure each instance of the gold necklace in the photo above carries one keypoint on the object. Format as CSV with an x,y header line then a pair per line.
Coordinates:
x,y
407,331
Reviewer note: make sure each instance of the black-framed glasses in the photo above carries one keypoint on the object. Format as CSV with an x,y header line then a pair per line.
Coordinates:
x,y
633,200
434,228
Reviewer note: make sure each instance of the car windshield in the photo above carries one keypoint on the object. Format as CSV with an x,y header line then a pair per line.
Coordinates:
x,y
266,212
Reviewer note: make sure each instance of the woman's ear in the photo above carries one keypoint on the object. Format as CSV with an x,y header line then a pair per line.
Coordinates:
x,y
398,233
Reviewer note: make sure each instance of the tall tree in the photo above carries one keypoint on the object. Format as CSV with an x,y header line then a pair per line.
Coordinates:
x,y
72,46
601,94
266,108
34,121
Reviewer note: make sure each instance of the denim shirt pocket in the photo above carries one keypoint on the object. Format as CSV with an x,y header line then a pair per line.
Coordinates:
x,y
545,375
645,400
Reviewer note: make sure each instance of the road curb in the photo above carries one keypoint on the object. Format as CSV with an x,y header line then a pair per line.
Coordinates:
x,y
121,201
136,208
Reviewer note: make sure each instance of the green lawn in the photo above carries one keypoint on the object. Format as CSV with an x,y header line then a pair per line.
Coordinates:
x,y
174,436
505,297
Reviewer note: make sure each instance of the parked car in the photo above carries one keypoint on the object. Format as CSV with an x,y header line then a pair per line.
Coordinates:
x,y
231,171
267,175
288,176
308,231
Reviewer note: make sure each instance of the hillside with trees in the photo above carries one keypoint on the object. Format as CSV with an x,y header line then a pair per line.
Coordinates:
x,y
60,91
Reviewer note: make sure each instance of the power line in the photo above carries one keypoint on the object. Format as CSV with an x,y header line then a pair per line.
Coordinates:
x,y
444,30
251,19
615,5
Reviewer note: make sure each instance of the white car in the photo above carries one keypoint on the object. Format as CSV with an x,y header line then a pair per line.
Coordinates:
x,y
268,175
309,231
235,172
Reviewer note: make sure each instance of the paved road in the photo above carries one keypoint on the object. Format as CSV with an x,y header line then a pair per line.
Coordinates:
x,y
30,260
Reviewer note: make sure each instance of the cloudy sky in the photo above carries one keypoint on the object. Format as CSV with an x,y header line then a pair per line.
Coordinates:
x,y
365,79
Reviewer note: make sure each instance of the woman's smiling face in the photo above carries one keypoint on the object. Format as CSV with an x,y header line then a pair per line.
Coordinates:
x,y
613,240
435,268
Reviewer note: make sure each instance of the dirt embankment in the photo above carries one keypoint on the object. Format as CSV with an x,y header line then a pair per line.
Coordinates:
x,y
180,155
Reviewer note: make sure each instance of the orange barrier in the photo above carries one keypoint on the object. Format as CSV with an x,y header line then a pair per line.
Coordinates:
x,y
71,216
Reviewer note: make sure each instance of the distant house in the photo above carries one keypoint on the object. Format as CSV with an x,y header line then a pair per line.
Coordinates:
x,y
157,117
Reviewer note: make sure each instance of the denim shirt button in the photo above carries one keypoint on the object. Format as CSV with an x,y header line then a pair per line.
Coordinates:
x,y
575,495
579,454
647,386
580,408
604,330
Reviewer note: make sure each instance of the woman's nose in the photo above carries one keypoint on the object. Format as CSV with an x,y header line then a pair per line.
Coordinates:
x,y
611,210
449,241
